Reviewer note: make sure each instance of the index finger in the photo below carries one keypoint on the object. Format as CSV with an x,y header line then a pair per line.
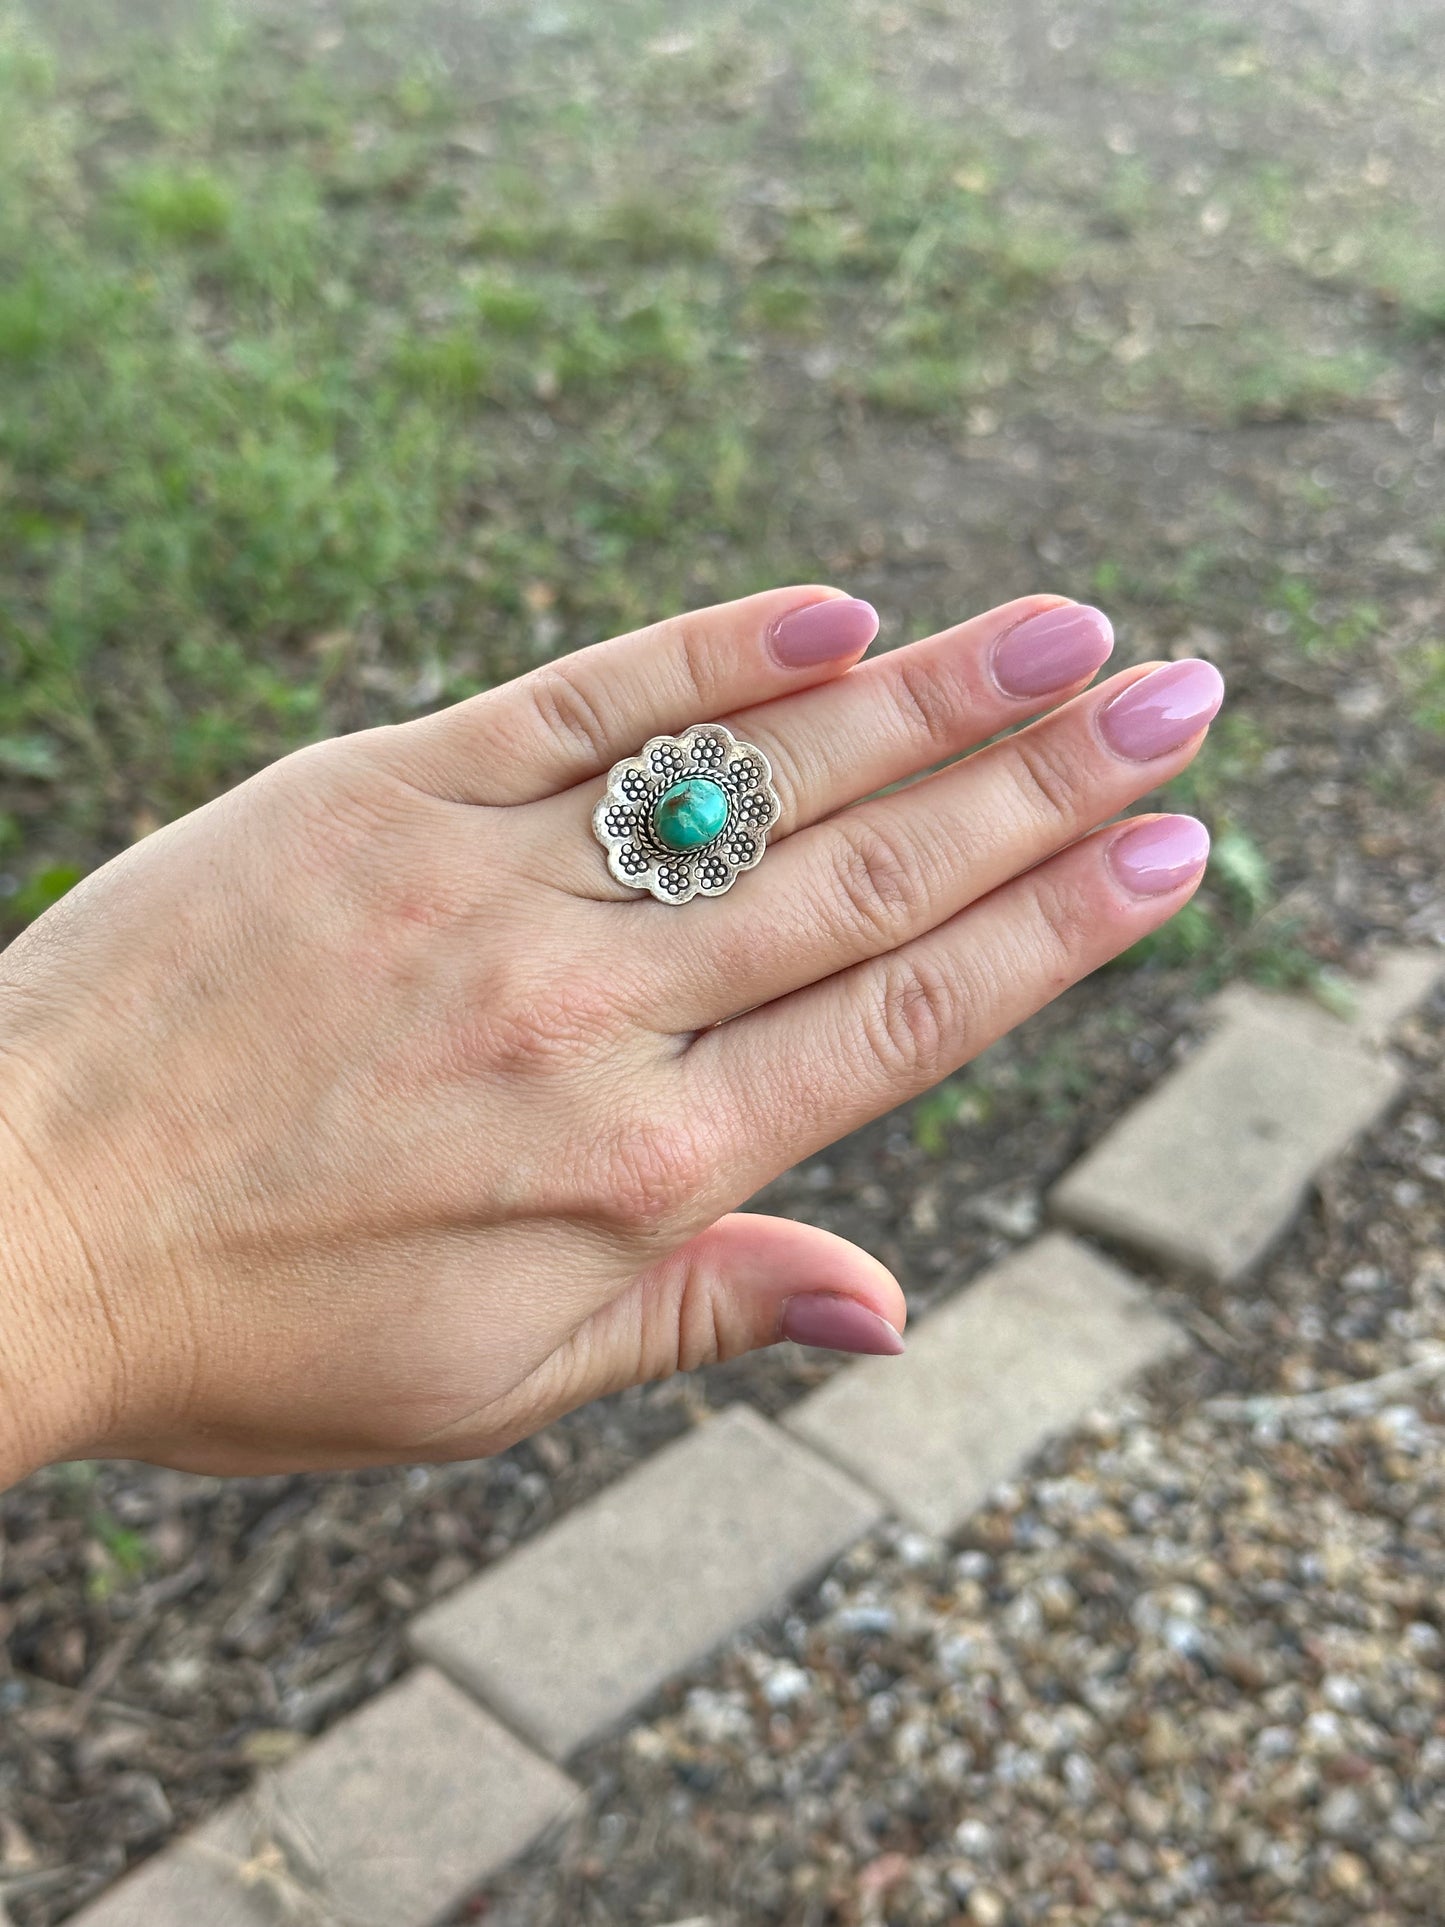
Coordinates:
x,y
574,718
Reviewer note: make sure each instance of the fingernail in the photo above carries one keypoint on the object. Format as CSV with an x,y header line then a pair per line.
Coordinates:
x,y
1160,855
838,1325
1163,710
823,631
1052,650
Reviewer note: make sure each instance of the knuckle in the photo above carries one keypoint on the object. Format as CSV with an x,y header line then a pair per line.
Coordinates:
x,y
695,653
701,1337
570,714
913,1022
877,881
650,1176
527,1030
793,775
333,790
338,813
929,698
1046,779
1063,930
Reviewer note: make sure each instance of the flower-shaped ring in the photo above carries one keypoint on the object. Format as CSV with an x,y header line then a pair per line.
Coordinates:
x,y
686,814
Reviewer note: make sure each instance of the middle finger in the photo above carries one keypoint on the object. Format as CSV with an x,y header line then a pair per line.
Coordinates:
x,y
886,720
892,867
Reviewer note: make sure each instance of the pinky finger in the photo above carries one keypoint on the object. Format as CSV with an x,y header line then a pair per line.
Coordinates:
x,y
803,1071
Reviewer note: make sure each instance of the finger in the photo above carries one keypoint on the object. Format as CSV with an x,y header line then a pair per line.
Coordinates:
x,y
888,870
574,718
914,707
890,718
745,1283
806,1070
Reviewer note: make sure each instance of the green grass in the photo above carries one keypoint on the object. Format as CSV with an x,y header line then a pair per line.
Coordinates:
x,y
958,1100
335,383
1401,261
1257,375
1318,629
1162,576
1174,49
1425,679
187,206
307,385
1274,382
1355,236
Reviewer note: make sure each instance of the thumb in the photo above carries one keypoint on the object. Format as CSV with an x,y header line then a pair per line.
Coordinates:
x,y
744,1283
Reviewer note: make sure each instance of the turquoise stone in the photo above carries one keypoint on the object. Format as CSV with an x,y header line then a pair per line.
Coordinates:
x,y
690,814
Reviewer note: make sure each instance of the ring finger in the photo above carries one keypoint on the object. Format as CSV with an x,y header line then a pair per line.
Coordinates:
x,y
807,1069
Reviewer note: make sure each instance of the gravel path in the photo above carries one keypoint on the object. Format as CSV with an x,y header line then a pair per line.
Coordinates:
x,y
1191,1669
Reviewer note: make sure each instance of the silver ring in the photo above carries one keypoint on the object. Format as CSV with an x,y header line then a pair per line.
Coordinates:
x,y
687,813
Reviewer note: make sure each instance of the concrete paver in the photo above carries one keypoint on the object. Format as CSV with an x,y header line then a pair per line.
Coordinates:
x,y
1400,982
568,1634
1021,1354
1210,1169
395,1816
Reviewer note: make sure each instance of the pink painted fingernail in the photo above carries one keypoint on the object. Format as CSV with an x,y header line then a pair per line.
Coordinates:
x,y
838,1325
823,631
1163,710
1159,855
1052,650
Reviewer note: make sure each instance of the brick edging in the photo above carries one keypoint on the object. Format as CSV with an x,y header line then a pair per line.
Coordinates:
x,y
454,1769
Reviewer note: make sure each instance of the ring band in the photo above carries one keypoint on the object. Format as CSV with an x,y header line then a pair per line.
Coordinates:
x,y
687,813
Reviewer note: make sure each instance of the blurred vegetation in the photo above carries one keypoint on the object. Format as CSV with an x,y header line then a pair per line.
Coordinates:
x,y
310,382
336,385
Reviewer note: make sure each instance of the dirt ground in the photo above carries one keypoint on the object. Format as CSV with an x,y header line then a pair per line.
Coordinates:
x,y
164,1635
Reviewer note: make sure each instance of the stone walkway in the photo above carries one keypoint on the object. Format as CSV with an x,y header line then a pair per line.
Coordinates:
x,y
415,1801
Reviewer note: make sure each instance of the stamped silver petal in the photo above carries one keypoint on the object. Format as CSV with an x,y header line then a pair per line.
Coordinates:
x,y
622,821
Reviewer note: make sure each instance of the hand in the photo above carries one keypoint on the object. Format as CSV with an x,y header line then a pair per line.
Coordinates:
x,y
361,1116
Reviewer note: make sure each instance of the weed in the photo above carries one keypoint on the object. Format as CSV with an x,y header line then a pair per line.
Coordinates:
x,y
120,1553
181,206
1277,384
450,367
922,384
1190,936
35,756
1404,267
783,306
510,310
651,226
1233,752
1235,928
129,1551
1425,674
960,1100
1258,377
41,890
1162,579
1055,1078
1129,202
1243,870
1315,629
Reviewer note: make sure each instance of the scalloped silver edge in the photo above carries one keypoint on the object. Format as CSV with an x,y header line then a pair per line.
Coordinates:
x,y
647,883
